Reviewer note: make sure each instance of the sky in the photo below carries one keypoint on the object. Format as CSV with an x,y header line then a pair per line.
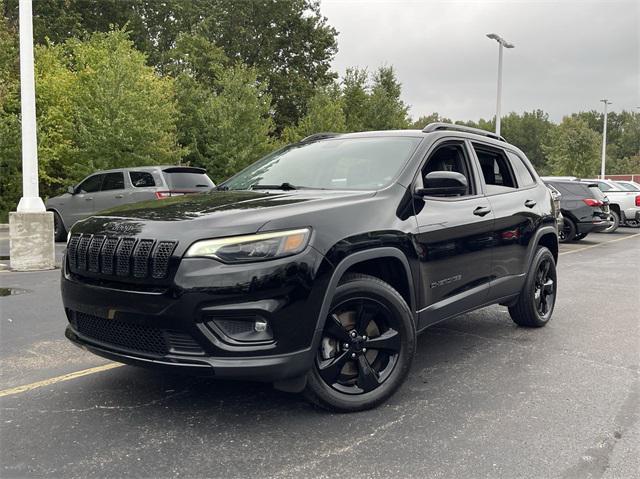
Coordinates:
x,y
568,54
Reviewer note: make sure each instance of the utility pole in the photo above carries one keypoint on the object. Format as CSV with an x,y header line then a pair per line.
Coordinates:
x,y
31,245
502,43
604,139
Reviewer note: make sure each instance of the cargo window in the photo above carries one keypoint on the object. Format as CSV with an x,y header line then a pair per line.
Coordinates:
x,y
523,175
496,171
141,179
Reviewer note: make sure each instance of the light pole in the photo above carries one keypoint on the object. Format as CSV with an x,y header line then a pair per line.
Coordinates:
x,y
502,44
604,138
31,246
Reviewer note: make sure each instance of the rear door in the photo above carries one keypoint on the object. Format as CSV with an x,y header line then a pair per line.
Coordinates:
x,y
454,239
112,192
144,184
515,198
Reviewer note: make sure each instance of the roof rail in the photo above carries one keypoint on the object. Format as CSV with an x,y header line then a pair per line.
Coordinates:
x,y
320,136
431,127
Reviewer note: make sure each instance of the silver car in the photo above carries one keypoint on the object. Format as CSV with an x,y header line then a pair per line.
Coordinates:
x,y
111,188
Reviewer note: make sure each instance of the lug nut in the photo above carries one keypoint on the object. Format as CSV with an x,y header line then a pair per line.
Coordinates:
x,y
353,334
353,355
364,350
345,345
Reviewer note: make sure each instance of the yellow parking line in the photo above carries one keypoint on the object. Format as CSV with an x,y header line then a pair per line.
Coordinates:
x,y
600,244
58,379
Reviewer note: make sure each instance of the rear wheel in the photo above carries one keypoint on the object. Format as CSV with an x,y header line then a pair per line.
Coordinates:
x,y
568,231
367,346
59,231
615,218
579,236
538,297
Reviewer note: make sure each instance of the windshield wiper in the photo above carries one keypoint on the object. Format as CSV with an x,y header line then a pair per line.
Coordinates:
x,y
286,186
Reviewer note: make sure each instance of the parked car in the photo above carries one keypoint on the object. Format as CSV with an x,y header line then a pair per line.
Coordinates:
x,y
584,209
112,188
628,185
624,204
318,264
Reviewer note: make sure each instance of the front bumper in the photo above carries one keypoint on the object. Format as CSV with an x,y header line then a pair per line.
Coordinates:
x,y
172,330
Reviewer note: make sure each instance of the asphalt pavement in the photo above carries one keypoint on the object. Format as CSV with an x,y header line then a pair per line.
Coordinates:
x,y
484,398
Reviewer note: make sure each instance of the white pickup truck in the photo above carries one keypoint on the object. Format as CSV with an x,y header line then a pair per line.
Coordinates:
x,y
624,203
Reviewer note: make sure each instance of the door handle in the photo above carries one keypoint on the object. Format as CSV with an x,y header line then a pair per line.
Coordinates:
x,y
481,211
530,203
119,196
88,198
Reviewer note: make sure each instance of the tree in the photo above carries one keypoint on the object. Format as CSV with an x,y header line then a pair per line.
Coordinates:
x,y
573,148
423,121
355,98
385,108
324,113
529,132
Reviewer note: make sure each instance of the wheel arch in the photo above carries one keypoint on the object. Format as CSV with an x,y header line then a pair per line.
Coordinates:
x,y
55,210
369,261
546,236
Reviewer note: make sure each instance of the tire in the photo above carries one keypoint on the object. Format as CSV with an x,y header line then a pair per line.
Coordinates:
x,y
354,370
568,232
535,304
59,231
616,222
580,236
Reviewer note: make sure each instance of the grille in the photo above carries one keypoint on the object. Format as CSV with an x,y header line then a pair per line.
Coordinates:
x,y
135,337
121,257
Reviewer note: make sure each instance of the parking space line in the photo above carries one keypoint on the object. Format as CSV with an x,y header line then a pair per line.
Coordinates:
x,y
58,379
600,244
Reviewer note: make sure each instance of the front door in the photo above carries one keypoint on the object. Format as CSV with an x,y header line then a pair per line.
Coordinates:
x,y
81,205
112,193
454,239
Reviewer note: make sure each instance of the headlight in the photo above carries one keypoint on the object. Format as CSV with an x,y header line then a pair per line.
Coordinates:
x,y
257,247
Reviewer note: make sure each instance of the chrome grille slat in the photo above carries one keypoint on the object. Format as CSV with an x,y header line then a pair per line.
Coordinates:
x,y
110,256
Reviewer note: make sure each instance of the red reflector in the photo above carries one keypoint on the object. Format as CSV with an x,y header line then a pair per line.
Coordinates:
x,y
638,200
162,194
592,202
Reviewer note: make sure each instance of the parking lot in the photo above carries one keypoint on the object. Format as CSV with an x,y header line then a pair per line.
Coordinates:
x,y
484,398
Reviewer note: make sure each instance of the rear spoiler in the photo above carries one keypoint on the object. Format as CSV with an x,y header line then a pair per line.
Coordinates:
x,y
184,169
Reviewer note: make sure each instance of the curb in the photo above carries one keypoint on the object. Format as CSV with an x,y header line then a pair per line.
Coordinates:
x,y
4,227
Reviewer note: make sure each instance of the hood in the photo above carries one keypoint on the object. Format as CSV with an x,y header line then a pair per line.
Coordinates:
x,y
217,213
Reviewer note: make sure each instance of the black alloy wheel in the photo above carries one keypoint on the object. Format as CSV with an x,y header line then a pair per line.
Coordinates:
x,y
545,288
568,231
366,346
59,231
359,346
535,304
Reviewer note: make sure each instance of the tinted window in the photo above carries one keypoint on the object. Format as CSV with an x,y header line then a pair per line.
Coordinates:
x,y
628,186
573,189
91,184
180,180
113,181
495,169
338,163
450,157
141,179
523,175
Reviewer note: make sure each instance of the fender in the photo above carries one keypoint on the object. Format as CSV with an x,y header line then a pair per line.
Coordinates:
x,y
54,210
344,265
536,240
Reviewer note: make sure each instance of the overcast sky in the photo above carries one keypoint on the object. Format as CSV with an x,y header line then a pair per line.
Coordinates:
x,y
568,53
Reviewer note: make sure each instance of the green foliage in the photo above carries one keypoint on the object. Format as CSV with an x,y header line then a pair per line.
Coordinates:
x,y
385,108
528,132
355,98
324,114
573,148
424,120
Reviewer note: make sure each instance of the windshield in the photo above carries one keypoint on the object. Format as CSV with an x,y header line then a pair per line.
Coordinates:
x,y
348,163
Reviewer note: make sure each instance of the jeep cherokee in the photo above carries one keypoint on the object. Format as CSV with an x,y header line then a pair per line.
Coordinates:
x,y
316,267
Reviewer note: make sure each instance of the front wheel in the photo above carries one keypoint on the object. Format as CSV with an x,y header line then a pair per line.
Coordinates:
x,y
538,297
59,231
367,346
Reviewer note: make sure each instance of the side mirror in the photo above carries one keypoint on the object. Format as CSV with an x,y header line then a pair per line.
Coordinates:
x,y
443,183
71,190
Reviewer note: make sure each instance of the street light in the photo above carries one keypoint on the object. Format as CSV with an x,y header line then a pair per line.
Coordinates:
x,y
502,43
604,138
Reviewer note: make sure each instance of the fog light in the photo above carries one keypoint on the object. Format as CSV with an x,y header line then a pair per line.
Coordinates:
x,y
248,329
260,326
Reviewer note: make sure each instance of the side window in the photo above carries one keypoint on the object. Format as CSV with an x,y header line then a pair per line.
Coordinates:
x,y
495,169
523,175
603,186
91,184
450,157
141,179
113,181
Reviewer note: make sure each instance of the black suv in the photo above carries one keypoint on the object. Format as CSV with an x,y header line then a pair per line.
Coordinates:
x,y
315,267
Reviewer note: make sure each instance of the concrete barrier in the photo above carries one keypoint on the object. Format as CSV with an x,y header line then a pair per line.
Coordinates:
x,y
31,245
